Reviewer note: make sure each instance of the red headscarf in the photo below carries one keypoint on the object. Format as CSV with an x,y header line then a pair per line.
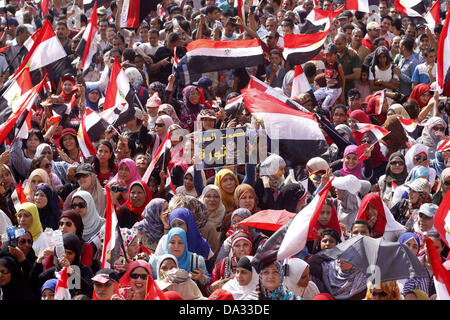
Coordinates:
x,y
125,280
148,197
362,117
68,97
372,106
332,224
375,201
418,91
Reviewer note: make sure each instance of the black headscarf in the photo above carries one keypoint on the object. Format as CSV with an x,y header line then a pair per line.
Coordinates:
x,y
378,51
73,243
76,219
400,178
18,288
49,215
288,197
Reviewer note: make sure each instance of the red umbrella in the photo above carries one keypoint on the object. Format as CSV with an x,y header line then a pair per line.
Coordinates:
x,y
268,219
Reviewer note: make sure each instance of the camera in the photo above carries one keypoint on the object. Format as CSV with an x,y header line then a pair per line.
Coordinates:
x,y
13,234
118,188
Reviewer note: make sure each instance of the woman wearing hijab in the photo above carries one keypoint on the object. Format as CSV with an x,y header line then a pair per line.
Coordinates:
x,y
138,197
334,152
298,281
151,228
291,198
379,217
154,139
411,240
127,173
36,177
47,203
68,87
387,290
351,165
84,204
245,197
48,290
444,184
397,139
337,277
167,109
271,284
130,245
348,201
13,283
73,250
6,202
93,95
245,281
421,94
417,156
188,183
191,107
268,186
381,74
433,132
396,174
28,218
227,182
212,198
287,82
241,245
398,110
177,244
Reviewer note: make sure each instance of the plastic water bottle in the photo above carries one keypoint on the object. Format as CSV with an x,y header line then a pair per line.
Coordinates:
x,y
59,244
49,234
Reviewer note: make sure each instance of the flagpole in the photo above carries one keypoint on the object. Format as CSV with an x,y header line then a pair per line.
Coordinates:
x,y
139,101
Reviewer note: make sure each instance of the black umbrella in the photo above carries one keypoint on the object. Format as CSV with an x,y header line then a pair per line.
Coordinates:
x,y
382,260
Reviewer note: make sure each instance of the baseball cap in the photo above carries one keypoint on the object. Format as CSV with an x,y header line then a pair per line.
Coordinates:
x,y
331,48
84,168
420,185
428,209
203,82
101,11
373,25
11,21
207,113
106,275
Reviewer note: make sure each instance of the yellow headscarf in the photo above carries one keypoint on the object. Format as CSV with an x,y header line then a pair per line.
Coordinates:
x,y
36,227
37,172
227,198
390,287
421,295
399,110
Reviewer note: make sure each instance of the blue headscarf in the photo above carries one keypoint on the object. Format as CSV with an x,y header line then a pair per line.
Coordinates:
x,y
405,237
196,243
49,284
438,162
151,223
89,88
184,261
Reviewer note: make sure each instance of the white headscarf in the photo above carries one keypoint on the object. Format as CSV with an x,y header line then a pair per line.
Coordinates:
x,y
295,271
216,217
238,291
409,160
92,222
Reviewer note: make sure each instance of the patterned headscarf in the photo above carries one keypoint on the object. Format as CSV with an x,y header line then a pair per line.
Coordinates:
x,y
127,236
151,223
280,293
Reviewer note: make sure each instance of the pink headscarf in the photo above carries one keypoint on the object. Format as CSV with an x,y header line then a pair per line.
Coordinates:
x,y
134,174
357,170
168,121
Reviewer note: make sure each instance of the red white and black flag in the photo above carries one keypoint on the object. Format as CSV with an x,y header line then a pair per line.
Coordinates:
x,y
92,126
432,17
411,8
300,48
118,108
300,83
208,55
87,48
134,11
361,5
443,58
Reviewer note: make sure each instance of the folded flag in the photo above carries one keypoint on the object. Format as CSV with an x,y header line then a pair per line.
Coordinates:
x,y
206,55
409,124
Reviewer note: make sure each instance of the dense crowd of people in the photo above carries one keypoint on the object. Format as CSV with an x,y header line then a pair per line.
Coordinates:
x,y
180,227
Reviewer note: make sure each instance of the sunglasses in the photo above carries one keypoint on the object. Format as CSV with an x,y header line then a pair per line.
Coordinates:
x,y
136,276
379,294
80,205
439,129
160,125
419,158
397,163
5,271
23,241
447,183
48,165
67,223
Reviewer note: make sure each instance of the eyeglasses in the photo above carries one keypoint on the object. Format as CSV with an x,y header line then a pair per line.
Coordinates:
x,y
420,158
438,128
136,276
447,183
160,125
379,294
397,163
80,205
24,241
5,271
48,165
67,223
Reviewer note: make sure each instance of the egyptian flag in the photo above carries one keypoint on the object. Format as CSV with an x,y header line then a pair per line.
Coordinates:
x,y
165,145
300,48
233,104
409,125
14,92
44,7
113,240
92,126
206,55
46,49
297,132
18,116
411,8
378,132
443,58
239,5
302,226
118,108
88,4
300,83
62,287
361,5
318,19
432,17
442,219
135,11
441,275
18,196
87,48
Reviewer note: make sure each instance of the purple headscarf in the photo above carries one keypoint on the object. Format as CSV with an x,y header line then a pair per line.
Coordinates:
x,y
355,171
